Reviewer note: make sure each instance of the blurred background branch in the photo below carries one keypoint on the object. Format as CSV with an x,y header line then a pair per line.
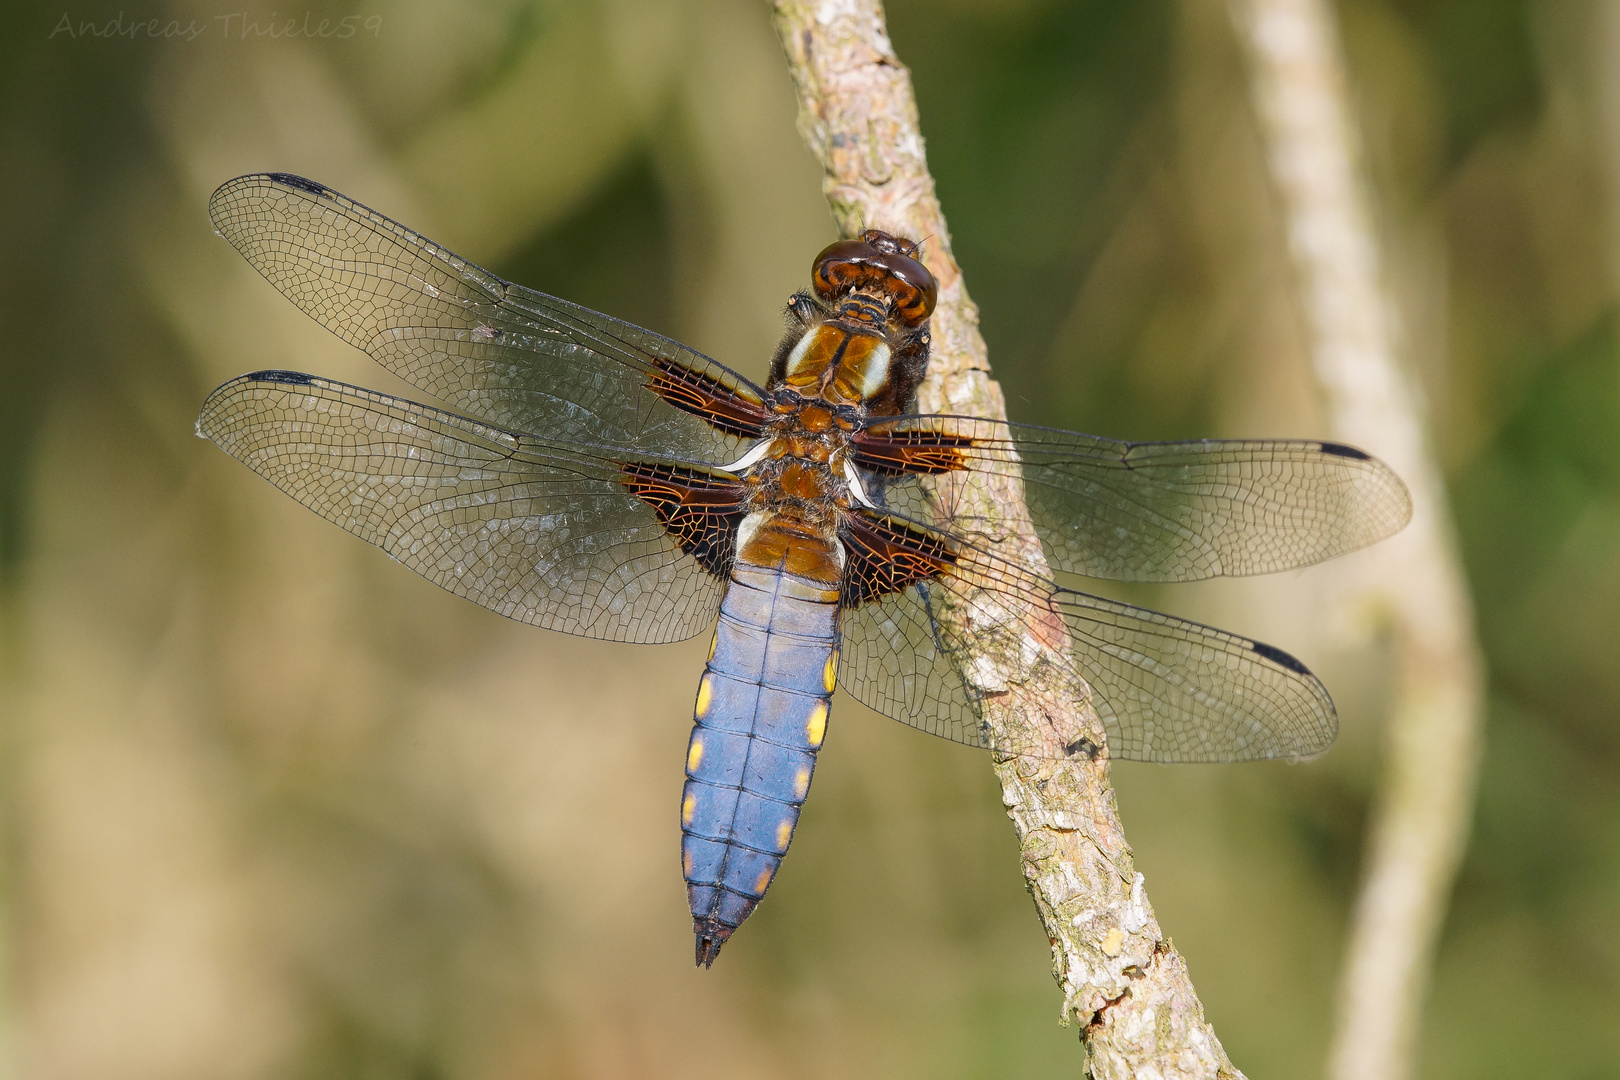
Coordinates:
x,y
1431,761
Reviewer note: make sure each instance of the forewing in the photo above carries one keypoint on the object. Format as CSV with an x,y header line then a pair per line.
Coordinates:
x,y
1165,689
539,532
1167,511
515,358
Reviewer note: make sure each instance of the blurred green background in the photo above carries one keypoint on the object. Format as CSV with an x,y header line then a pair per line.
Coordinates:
x,y
275,807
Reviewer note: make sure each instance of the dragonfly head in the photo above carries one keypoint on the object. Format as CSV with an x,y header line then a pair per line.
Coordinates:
x,y
880,265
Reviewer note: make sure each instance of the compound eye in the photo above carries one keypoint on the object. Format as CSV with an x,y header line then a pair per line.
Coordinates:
x,y
839,267
877,262
918,303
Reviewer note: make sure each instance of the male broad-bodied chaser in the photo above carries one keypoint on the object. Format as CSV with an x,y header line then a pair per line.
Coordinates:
x,y
592,477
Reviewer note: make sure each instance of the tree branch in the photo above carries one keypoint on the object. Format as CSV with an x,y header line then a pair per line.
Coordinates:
x,y
1420,824
1139,1013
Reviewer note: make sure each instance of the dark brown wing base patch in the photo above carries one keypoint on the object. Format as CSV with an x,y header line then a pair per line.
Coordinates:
x,y
726,408
911,451
700,510
884,556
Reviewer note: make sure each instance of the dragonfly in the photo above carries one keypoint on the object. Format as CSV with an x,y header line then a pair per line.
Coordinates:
x,y
584,475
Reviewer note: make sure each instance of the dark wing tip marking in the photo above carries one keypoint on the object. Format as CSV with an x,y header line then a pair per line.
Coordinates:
x,y
1277,656
276,375
289,180
1341,450
209,418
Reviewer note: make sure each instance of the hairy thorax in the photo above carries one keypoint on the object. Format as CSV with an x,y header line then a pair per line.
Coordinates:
x,y
855,348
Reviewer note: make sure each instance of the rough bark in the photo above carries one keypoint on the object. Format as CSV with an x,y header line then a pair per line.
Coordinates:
x,y
1120,977
1424,806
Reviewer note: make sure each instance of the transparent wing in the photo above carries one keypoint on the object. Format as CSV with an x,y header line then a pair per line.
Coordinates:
x,y
896,658
1170,690
1166,689
510,356
538,532
1168,511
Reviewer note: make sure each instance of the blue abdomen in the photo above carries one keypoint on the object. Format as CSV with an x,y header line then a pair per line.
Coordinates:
x,y
761,716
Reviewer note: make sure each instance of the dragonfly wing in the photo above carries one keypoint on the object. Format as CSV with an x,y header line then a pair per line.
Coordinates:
x,y
515,358
1167,511
1165,689
1170,690
535,530
897,658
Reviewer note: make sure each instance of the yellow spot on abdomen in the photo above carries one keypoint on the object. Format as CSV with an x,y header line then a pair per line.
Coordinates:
x,y
801,783
705,693
815,729
688,805
829,675
686,863
694,755
763,880
784,832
